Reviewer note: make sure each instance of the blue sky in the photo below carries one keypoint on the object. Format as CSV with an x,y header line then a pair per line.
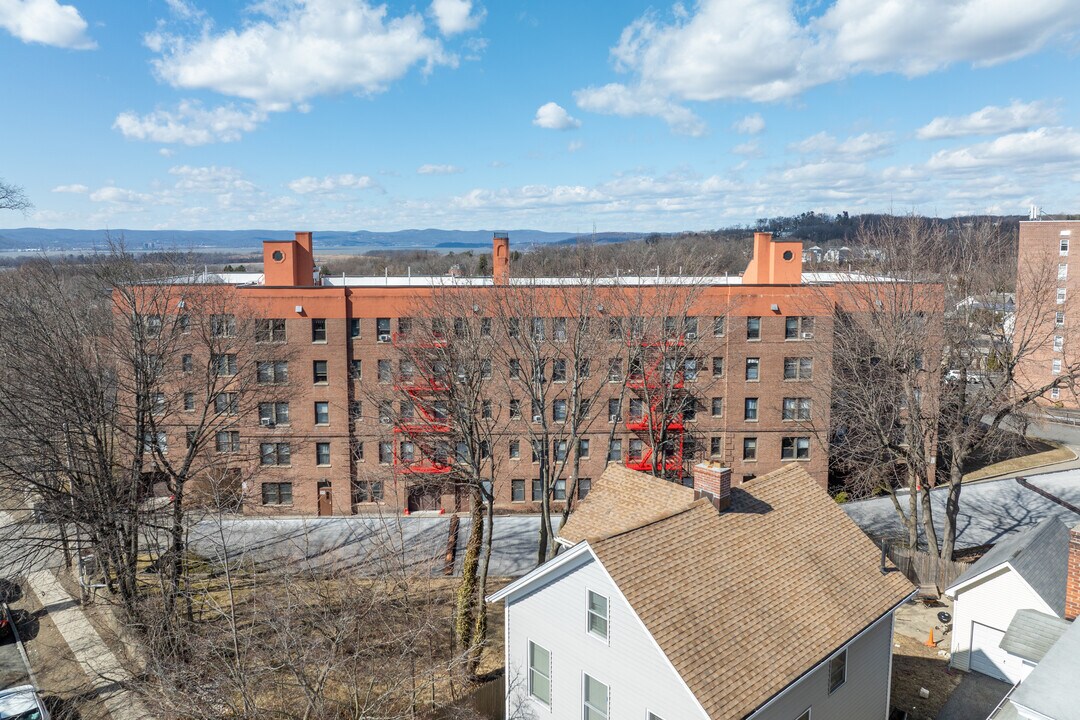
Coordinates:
x,y
554,114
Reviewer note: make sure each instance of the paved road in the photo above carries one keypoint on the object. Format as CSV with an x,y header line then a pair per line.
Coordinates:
x,y
12,668
988,510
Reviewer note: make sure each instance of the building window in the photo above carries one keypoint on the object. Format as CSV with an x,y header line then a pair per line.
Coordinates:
x,y
1055,367
1059,318
595,699
558,410
157,442
1063,271
690,328
558,329
157,403
189,401
558,371
273,413
717,409
690,366
275,454
322,453
584,485
1055,393
560,449
798,328
272,330
356,410
318,330
614,410
277,493
1063,248
407,452
537,491
515,409
354,328
184,321
515,450
539,673
718,325
384,371
753,368
186,363
795,448
1059,343
382,330
270,372
805,715
367,491
537,450
716,446
537,325
226,403
753,328
614,453
690,408
319,371
635,448
386,453
749,448
517,491
322,413
515,368
798,368
227,441
796,408
837,671
750,408
223,325
615,369
559,491
357,449
1060,296
718,367
583,447
597,610
224,364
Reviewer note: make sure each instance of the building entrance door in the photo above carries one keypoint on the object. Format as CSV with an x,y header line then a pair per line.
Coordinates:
x,y
326,499
424,497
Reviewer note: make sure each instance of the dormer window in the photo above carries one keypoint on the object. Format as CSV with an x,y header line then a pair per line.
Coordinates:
x,y
598,615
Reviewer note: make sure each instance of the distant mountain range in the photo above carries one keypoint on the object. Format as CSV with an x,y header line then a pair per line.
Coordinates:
x,y
355,241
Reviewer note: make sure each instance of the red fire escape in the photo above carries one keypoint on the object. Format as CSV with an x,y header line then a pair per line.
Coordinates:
x,y
427,430
658,386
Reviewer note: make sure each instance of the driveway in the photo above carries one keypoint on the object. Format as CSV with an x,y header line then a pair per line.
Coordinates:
x,y
974,698
989,510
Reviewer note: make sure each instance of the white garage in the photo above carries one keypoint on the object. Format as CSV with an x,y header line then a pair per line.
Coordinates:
x,y
1024,571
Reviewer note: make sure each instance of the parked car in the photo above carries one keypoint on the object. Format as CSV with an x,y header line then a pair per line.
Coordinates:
x,y
5,622
22,703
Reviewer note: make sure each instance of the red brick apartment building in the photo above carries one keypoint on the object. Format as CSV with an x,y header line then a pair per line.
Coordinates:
x,y
320,443
1048,307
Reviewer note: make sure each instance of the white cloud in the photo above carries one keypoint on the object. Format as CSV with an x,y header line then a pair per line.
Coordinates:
x,y
430,169
210,179
574,145
300,49
618,99
749,148
119,196
46,22
76,188
190,124
1034,151
858,146
456,16
166,152
767,50
554,117
991,120
330,183
749,125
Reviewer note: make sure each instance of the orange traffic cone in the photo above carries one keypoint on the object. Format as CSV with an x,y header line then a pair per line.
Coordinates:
x,y
930,640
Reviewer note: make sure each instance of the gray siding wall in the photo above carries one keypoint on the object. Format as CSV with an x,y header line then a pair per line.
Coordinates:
x,y
865,694
553,615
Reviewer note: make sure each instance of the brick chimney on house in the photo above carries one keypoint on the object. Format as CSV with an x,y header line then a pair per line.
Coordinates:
x,y
500,259
1072,576
713,480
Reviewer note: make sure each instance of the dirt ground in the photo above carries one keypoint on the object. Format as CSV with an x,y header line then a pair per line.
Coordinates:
x,y
916,666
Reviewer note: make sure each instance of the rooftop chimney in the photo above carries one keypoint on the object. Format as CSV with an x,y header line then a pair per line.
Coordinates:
x,y
712,480
1072,576
500,259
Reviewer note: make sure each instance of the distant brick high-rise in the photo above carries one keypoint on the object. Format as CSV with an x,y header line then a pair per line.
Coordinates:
x,y
761,381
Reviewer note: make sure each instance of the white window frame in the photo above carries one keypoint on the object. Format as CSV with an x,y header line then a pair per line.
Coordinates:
x,y
529,672
806,714
606,637
1063,243
1059,343
1055,393
1059,318
650,715
606,714
1055,367
1063,271
1061,296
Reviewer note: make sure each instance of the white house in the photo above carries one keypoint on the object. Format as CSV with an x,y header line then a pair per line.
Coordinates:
x,y
1026,572
673,603
1051,690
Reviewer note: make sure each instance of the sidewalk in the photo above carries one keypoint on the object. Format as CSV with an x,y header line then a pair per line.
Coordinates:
x,y
97,661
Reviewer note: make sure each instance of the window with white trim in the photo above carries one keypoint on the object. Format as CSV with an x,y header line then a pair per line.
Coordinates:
x,y
805,715
1059,343
652,716
539,673
837,671
1059,318
595,699
1063,271
1064,246
1061,296
1055,393
597,609
1055,367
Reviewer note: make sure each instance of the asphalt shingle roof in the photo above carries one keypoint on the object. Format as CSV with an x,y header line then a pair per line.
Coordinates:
x,y
742,602
1039,555
1051,688
1032,633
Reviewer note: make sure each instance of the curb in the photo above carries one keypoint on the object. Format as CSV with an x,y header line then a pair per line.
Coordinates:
x,y
19,643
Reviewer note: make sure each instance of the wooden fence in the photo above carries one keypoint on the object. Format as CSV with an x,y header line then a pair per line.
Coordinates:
x,y
922,568
487,700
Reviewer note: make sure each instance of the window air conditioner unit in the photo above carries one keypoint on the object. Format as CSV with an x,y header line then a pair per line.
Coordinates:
x,y
538,418
808,336
266,422
384,338
691,336
613,418
614,377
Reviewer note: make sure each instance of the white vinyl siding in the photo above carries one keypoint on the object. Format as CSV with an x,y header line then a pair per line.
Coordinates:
x,y
991,601
554,615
